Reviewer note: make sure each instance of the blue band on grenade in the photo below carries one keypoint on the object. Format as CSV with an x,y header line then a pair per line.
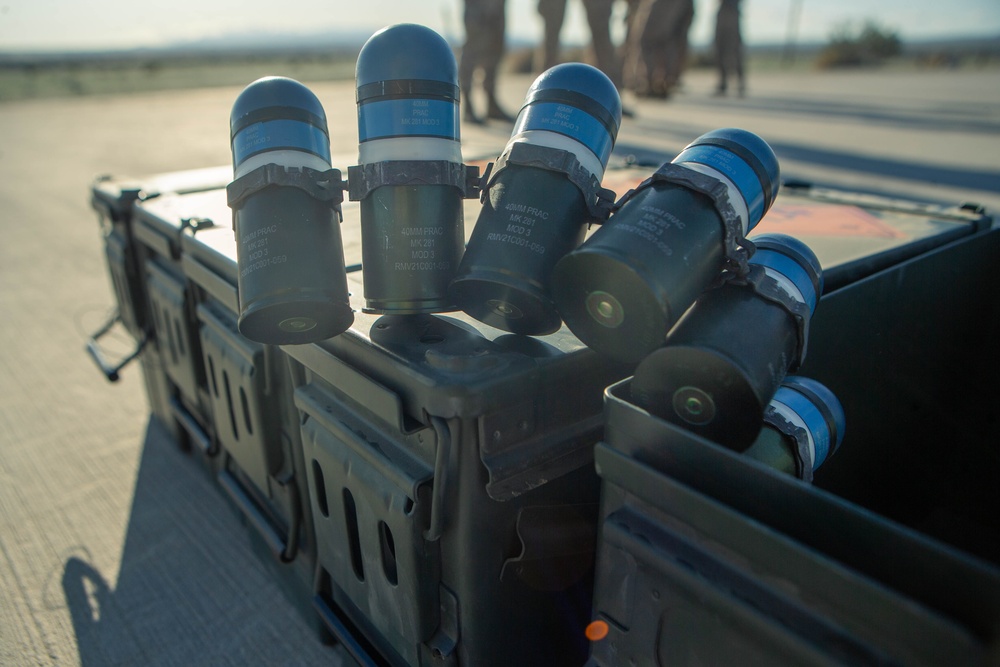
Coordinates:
x,y
274,135
568,121
814,420
736,170
408,117
792,270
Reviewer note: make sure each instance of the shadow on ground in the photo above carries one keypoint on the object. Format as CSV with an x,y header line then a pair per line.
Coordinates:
x,y
847,161
190,589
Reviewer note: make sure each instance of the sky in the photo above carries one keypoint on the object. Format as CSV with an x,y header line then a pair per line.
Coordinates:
x,y
39,25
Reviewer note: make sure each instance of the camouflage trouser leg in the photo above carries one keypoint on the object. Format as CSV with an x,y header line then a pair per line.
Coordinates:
x,y
664,44
599,19
553,14
483,49
636,77
729,50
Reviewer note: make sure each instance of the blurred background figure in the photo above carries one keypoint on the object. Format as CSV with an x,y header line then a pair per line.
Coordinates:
x,y
553,13
598,13
630,47
485,24
729,47
658,45
605,54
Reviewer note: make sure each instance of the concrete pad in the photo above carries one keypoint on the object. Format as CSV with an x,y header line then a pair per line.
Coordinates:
x,y
114,548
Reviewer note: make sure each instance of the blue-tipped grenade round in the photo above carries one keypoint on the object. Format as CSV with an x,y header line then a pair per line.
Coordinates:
x,y
286,216
542,193
627,285
410,179
726,358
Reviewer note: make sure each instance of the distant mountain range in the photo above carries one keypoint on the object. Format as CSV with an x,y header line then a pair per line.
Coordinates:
x,y
350,42
326,40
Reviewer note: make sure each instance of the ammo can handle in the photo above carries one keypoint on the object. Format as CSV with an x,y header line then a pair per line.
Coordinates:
x,y
283,549
357,647
111,369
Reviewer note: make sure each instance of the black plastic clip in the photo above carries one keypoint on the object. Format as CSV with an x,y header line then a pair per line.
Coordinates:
x,y
804,453
325,185
737,250
768,288
364,178
600,201
196,224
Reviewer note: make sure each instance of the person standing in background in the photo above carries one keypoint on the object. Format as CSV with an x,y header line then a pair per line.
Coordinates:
x,y
631,53
606,56
553,13
729,47
485,26
599,20
658,52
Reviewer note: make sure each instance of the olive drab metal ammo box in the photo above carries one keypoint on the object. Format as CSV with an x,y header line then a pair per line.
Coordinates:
x,y
143,262
430,490
428,479
892,555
